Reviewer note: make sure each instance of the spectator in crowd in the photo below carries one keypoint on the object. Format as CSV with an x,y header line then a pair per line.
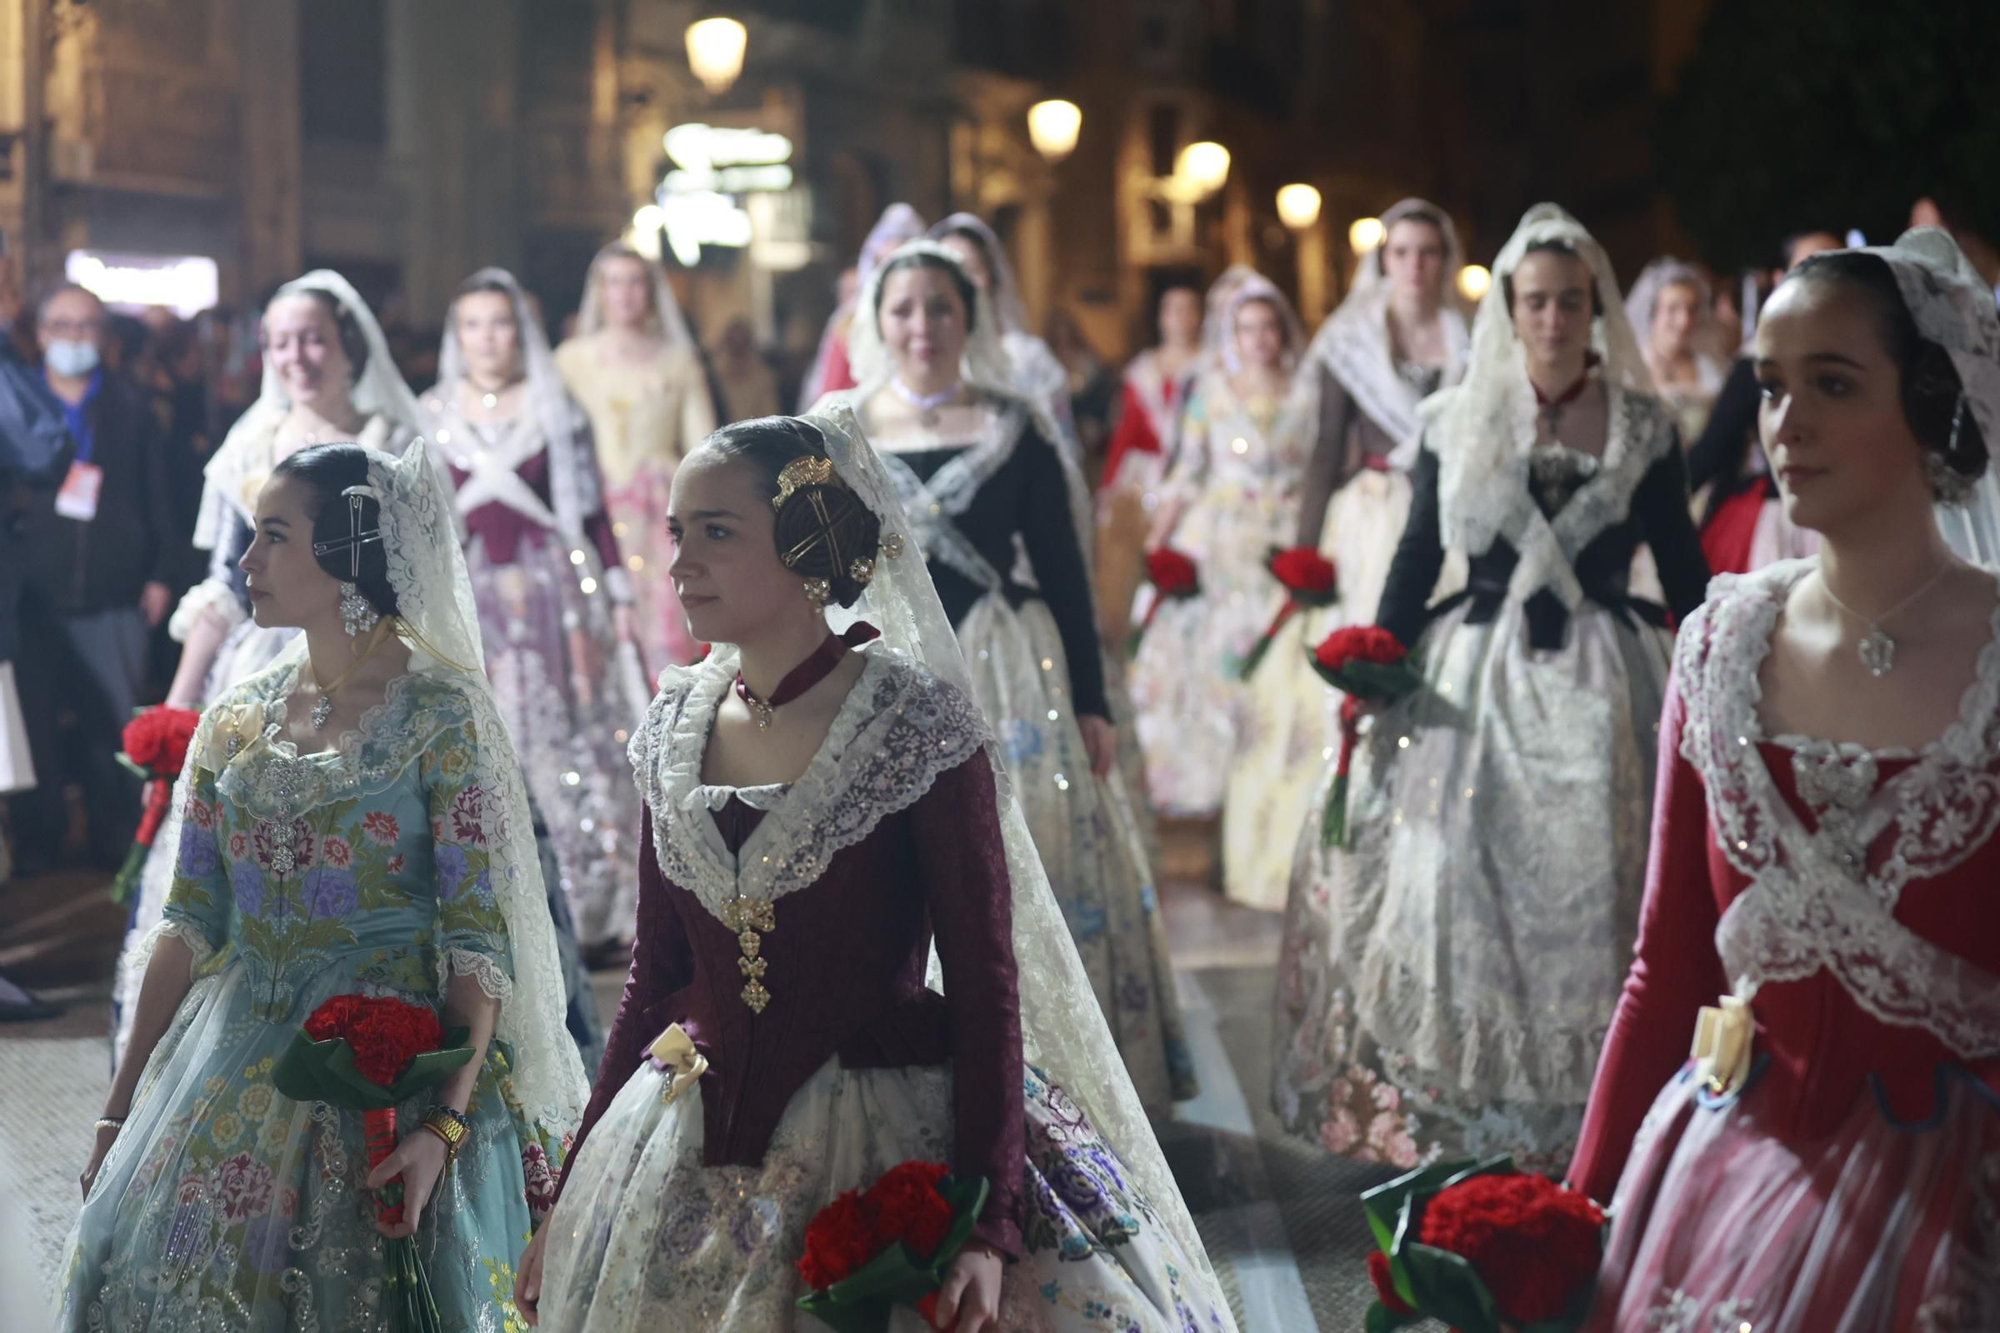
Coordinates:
x,y
745,385
103,557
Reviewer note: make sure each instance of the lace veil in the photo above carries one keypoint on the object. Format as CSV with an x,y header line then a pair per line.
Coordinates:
x,y
666,319
573,485
1483,431
1062,1031
441,625
899,223
1953,308
236,471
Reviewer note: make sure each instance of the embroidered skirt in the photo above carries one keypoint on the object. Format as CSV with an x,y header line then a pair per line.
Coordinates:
x,y
1446,979
646,1237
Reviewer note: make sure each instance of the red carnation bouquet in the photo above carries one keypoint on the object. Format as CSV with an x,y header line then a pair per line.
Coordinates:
x,y
368,1053
156,745
1484,1248
1174,577
1368,663
871,1250
1309,581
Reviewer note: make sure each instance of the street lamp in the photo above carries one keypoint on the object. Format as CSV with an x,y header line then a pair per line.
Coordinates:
x,y
1298,206
1203,166
1474,281
1364,234
715,52
1053,127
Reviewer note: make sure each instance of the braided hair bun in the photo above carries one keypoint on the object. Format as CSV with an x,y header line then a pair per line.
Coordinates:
x,y
825,534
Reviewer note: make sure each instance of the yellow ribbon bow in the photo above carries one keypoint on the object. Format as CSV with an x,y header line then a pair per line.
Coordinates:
x,y
1723,1034
673,1050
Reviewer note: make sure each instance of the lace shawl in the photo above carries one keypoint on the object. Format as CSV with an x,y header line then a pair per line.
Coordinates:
x,y
1812,902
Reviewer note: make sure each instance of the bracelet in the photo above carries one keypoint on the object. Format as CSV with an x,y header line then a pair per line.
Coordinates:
x,y
450,1128
111,1122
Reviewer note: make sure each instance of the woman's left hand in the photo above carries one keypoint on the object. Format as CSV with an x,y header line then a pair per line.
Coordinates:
x,y
969,1301
419,1159
1100,741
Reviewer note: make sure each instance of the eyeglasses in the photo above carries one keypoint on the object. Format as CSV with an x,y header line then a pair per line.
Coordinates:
x,y
72,328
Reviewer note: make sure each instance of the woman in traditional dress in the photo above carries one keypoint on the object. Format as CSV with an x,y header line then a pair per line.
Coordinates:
x,y
1034,371
328,376
355,824
818,816
1669,307
1140,453
1396,339
1823,859
830,371
554,598
1232,495
1446,977
638,374
976,466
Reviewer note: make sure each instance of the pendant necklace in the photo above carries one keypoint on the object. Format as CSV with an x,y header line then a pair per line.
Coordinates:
x,y
806,674
1876,649
322,712
1551,408
927,404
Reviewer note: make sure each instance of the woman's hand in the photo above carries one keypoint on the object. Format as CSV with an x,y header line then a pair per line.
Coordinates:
x,y
528,1278
106,1136
1100,741
971,1292
419,1159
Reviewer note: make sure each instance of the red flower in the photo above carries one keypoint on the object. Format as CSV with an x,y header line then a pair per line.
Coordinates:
x,y
1533,1243
837,1242
907,1207
386,1033
157,739
1385,1285
1360,643
1303,570
1172,573
380,826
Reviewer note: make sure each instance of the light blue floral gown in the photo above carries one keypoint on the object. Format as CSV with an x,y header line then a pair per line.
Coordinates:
x,y
226,1205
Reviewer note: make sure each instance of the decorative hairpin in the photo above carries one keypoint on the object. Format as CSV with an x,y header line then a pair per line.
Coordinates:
x,y
355,538
811,470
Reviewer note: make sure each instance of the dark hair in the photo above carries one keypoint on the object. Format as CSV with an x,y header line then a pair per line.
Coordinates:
x,y
353,342
826,550
968,292
327,470
1429,217
1553,248
1792,239
1930,384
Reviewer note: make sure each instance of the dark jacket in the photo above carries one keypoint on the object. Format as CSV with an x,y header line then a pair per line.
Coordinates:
x,y
100,565
34,454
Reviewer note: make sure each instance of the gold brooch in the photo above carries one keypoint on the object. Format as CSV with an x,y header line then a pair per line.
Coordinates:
x,y
750,918
811,470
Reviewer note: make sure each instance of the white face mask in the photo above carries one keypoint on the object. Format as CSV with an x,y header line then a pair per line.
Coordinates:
x,y
70,358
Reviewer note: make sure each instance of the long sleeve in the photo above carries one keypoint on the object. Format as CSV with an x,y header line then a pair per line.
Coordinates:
x,y
199,897
1331,464
1661,506
1674,973
964,865
662,963
1060,572
1134,434
1719,451
471,929
1413,574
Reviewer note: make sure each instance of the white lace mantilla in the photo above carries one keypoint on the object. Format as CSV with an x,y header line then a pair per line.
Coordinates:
x,y
899,728
1813,902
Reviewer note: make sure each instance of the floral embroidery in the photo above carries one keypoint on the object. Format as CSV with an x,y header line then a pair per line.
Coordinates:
x,y
465,822
197,851
335,852
381,828
330,893
239,847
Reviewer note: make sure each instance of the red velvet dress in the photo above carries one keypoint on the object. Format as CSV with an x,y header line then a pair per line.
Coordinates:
x,y
787,932
1852,1181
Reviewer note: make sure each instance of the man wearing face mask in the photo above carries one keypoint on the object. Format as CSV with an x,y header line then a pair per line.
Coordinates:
x,y
102,555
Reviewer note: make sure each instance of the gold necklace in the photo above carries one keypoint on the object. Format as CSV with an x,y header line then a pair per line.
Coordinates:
x,y
322,712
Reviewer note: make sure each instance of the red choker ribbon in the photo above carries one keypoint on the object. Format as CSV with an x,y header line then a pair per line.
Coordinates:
x,y
1551,406
806,674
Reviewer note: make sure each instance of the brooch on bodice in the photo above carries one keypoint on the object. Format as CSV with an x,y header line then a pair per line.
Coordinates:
x,y
751,918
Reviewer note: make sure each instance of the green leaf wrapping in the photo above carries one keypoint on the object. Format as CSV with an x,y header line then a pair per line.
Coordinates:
x,y
324,1071
862,1301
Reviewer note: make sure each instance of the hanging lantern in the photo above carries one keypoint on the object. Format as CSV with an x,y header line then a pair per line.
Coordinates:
x,y
1053,127
715,52
1298,206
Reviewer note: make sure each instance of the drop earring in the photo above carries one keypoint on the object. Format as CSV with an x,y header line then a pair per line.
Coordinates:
x,y
357,614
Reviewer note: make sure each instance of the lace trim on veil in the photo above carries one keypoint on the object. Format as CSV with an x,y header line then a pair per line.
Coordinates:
x,y
1812,902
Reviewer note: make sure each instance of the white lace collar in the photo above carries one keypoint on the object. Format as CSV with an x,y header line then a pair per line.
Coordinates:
x,y
898,729
1813,901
